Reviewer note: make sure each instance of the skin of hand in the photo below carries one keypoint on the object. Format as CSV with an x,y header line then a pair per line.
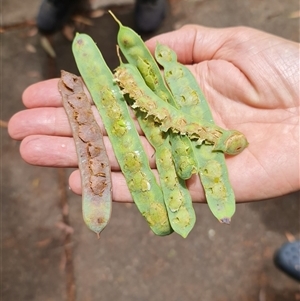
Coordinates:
x,y
251,81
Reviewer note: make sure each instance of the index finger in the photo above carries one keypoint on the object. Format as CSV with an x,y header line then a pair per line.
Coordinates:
x,y
192,43
195,43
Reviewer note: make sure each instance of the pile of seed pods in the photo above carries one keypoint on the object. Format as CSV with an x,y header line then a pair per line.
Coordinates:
x,y
176,120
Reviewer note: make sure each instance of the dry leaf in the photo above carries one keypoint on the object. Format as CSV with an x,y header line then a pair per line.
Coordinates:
x,y
35,183
32,32
47,46
97,13
82,20
295,14
69,32
290,237
34,74
3,124
64,227
43,243
30,48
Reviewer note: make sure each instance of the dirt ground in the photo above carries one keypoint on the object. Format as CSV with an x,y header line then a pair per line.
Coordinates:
x,y
48,254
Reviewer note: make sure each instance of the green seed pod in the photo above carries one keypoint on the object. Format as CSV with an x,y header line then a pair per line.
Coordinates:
x,y
212,165
169,117
184,156
137,54
176,195
122,133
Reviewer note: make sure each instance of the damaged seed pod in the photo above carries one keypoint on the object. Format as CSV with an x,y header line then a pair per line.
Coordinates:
x,y
122,133
212,165
137,54
181,216
93,161
130,80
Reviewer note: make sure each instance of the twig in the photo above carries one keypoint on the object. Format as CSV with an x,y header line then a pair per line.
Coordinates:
x,y
69,268
27,23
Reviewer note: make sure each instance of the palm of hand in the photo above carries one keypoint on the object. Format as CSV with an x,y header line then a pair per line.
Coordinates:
x,y
248,84
251,82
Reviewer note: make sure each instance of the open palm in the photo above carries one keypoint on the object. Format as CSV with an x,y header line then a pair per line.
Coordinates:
x,y
251,81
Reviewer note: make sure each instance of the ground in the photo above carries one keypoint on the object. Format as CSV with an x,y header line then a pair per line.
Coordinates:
x,y
47,251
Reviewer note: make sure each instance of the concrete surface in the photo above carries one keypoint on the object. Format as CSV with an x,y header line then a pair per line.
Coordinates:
x,y
42,260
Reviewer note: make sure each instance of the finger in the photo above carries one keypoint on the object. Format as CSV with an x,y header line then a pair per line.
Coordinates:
x,y
240,183
189,43
44,121
194,43
51,151
55,151
120,189
42,94
220,56
121,192
39,121
48,121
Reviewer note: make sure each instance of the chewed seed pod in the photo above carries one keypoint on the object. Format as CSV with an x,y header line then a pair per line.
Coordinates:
x,y
93,160
170,118
122,133
137,54
173,188
212,165
185,164
176,195
234,144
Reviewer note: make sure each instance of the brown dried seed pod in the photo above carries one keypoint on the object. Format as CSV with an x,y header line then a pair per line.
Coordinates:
x,y
93,161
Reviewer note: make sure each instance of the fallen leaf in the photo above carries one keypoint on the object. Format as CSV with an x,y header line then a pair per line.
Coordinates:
x,y
32,32
295,14
290,237
43,243
66,228
30,48
34,74
65,210
47,47
68,32
3,124
178,25
262,295
35,183
83,20
97,13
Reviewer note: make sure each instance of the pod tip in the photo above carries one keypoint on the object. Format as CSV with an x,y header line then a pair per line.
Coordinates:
x,y
225,220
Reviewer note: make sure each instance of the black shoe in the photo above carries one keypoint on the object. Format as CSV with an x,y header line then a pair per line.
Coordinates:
x,y
53,14
149,14
287,259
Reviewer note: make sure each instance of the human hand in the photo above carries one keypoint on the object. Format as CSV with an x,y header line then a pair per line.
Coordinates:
x,y
250,80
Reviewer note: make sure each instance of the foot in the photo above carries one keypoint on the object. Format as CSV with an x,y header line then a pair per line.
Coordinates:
x,y
53,14
287,259
149,14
